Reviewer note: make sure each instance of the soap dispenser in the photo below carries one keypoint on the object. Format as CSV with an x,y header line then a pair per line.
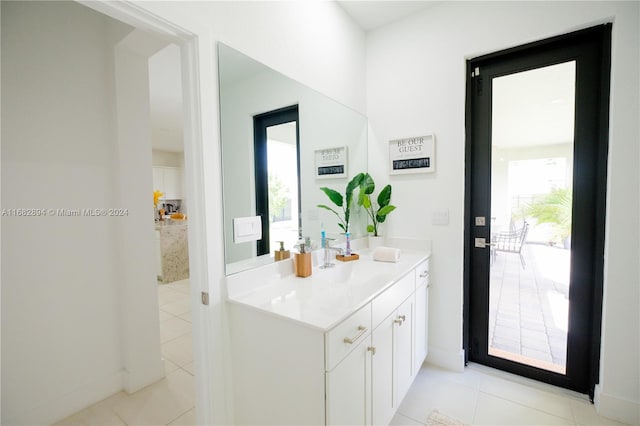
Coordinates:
x,y
302,262
282,253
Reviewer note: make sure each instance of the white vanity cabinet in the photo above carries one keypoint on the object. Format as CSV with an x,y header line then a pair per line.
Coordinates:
x,y
353,372
421,323
392,371
348,395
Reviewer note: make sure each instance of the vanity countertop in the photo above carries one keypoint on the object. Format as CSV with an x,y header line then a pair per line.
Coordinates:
x,y
328,296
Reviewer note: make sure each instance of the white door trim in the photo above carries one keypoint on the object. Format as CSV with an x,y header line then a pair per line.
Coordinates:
x,y
203,331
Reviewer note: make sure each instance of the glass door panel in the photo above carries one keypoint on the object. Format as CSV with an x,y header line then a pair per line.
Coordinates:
x,y
532,145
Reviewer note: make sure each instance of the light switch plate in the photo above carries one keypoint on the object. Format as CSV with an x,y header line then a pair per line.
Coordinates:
x,y
440,217
247,229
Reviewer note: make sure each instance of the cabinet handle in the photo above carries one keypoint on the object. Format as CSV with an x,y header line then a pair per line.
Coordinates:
x,y
400,319
372,349
361,330
425,274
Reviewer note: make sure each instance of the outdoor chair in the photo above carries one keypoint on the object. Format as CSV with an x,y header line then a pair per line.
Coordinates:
x,y
510,242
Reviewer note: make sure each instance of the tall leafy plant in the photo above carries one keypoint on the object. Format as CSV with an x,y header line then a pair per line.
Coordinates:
x,y
345,203
553,208
377,213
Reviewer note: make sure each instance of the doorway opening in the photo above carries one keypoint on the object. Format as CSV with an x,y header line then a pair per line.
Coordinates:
x,y
537,126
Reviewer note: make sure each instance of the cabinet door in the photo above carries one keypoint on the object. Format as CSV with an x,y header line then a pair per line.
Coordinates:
x,y
421,328
158,179
349,388
382,400
403,346
173,183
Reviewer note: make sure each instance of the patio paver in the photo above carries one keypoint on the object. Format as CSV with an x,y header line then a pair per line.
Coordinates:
x,y
528,307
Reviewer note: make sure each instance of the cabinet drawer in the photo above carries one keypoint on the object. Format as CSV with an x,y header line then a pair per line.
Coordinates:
x,y
422,274
388,301
346,336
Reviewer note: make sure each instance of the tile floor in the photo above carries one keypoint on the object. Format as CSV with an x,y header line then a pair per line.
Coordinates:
x,y
484,396
528,310
170,401
479,396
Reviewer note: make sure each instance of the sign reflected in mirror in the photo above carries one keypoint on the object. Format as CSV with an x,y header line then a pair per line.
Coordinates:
x,y
331,163
249,90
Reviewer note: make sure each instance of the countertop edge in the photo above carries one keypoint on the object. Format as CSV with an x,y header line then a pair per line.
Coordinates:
x,y
423,255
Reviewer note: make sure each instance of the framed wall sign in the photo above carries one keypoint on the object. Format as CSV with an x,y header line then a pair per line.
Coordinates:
x,y
331,163
412,155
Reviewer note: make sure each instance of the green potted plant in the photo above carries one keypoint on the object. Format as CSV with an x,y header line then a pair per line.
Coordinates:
x,y
377,211
343,202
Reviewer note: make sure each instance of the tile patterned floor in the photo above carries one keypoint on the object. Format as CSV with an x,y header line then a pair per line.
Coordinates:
x,y
479,396
170,401
484,396
528,307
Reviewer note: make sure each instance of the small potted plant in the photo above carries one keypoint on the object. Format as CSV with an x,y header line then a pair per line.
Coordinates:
x,y
377,213
343,202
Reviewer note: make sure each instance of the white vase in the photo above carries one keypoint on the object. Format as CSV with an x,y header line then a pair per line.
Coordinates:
x,y
375,241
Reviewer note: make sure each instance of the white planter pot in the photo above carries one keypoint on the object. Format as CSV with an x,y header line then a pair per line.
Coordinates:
x,y
375,241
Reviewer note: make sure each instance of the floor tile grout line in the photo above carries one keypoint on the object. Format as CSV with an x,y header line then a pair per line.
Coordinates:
x,y
475,409
529,407
182,414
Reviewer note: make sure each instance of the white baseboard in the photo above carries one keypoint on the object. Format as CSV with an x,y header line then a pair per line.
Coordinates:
x,y
63,406
449,360
616,408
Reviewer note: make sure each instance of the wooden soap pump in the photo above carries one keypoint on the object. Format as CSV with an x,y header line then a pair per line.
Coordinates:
x,y
302,262
282,253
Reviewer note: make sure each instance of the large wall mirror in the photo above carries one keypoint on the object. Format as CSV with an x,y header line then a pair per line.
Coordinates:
x,y
274,133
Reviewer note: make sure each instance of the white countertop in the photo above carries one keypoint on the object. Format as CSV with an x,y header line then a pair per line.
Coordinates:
x,y
325,298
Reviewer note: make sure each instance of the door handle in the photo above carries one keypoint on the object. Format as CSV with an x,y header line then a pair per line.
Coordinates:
x,y
482,243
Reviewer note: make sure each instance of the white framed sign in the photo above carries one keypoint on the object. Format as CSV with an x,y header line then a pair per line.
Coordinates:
x,y
412,155
331,163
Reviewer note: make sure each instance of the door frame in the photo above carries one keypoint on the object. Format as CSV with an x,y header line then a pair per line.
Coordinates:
x,y
261,122
212,378
593,256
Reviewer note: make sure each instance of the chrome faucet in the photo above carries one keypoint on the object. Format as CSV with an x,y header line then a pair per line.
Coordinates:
x,y
327,253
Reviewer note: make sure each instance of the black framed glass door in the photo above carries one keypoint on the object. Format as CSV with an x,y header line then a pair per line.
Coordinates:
x,y
537,125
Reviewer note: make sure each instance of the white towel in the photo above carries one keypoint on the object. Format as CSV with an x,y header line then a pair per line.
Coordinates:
x,y
386,254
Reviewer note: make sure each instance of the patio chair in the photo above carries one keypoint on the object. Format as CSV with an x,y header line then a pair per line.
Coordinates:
x,y
510,242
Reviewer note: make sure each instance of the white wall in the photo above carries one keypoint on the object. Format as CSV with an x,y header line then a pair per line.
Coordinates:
x,y
138,287
416,85
78,315
167,158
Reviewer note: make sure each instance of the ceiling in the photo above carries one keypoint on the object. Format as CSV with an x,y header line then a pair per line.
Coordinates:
x,y
370,15
535,107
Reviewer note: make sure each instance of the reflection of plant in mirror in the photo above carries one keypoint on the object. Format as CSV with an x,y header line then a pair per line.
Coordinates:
x,y
344,202
377,215
278,196
553,208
